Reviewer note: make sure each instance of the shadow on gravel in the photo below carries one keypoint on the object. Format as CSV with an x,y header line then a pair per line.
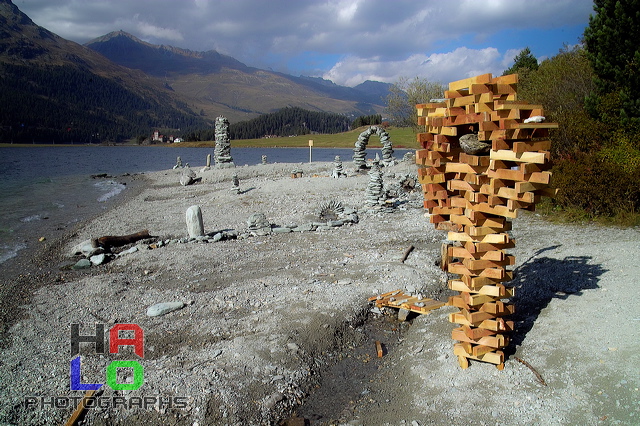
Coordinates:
x,y
541,279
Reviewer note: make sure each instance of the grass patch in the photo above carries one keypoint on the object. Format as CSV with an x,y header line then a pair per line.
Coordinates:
x,y
402,138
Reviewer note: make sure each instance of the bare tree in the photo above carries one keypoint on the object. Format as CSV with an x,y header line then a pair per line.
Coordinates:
x,y
406,94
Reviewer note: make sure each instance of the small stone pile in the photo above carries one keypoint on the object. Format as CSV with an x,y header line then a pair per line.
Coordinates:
x,y
178,164
258,224
264,160
222,151
375,193
236,184
338,172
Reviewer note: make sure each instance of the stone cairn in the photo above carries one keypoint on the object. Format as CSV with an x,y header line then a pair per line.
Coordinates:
x,y
258,224
236,184
337,168
264,160
359,152
374,192
222,151
178,164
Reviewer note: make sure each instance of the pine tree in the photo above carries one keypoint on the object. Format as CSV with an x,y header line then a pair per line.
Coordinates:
x,y
611,41
523,63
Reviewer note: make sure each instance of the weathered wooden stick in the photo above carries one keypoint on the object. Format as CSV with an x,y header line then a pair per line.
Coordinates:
x,y
406,253
73,420
117,241
538,375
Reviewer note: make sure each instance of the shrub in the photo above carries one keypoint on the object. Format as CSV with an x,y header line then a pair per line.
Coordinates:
x,y
596,185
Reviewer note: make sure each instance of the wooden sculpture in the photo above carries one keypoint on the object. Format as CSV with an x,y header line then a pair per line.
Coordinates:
x,y
473,195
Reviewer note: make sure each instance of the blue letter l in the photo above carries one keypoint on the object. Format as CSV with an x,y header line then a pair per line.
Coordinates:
x,y
76,378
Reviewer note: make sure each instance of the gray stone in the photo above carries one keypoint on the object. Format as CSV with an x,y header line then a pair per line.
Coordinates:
x,y
472,146
280,230
82,264
403,314
163,308
98,259
130,250
307,227
195,226
86,249
188,177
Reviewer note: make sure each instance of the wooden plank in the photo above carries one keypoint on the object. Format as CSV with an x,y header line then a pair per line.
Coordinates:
x,y
497,290
486,263
525,157
496,357
496,341
538,126
499,324
521,146
506,79
467,82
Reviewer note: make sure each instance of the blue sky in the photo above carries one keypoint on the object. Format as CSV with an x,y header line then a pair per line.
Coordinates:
x,y
346,41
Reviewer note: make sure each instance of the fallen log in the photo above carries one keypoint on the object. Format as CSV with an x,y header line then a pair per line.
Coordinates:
x,y
117,241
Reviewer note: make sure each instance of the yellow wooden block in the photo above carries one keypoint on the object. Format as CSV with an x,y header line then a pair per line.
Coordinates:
x,y
467,82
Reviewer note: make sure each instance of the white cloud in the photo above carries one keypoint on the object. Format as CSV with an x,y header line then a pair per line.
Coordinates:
x,y
438,67
378,39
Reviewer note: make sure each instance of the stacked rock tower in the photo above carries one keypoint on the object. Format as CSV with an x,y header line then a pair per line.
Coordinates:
x,y
474,196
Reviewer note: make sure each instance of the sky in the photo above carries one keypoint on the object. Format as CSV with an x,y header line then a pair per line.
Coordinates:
x,y
345,41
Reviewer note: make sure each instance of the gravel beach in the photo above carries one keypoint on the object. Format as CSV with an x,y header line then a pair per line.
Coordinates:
x,y
277,328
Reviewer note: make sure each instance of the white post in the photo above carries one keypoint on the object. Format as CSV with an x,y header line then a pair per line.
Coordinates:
x,y
310,148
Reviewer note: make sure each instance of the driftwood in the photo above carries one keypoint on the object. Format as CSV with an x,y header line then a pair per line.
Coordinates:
x,y
406,253
530,367
117,241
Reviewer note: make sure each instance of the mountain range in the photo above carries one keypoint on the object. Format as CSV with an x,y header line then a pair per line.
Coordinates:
x,y
117,86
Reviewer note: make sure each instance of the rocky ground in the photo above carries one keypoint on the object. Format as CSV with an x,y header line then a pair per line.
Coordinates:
x,y
276,328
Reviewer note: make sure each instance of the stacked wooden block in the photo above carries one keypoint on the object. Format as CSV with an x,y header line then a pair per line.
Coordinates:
x,y
474,196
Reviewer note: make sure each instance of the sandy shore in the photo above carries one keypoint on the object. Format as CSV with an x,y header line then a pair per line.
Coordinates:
x,y
272,321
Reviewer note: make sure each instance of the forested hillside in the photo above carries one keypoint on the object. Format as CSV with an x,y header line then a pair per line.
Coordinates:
x,y
285,122
54,90
68,104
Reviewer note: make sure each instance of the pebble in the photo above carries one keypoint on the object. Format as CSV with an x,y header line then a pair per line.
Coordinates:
x,y
98,259
163,308
82,264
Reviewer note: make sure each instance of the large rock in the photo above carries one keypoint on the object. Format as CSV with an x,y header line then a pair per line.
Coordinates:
x,y
195,226
188,177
